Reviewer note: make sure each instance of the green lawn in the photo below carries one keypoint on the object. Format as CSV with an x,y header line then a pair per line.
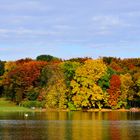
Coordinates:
x,y
6,105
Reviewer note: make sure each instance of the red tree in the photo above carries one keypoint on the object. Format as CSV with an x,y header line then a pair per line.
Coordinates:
x,y
114,90
25,76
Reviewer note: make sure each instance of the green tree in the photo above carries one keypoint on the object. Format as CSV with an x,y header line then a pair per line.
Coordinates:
x,y
69,69
47,58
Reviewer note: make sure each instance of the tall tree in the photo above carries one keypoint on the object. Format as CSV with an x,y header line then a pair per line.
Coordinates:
x,y
126,85
114,91
85,91
55,86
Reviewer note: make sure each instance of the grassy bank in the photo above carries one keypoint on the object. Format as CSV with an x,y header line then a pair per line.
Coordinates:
x,y
6,105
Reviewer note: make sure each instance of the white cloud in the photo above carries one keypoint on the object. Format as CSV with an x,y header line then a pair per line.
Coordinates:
x,y
24,32
106,21
107,24
25,5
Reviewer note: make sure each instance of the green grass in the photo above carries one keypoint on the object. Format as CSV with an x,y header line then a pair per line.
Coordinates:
x,y
6,105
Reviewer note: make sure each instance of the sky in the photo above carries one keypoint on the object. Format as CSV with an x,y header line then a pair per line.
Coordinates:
x,y
69,28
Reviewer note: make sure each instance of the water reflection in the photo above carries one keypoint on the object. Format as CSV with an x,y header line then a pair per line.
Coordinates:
x,y
70,126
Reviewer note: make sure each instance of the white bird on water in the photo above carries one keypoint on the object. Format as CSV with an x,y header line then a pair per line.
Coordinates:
x,y
26,115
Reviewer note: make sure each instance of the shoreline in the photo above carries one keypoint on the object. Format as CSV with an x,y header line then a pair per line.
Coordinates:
x,y
90,110
22,109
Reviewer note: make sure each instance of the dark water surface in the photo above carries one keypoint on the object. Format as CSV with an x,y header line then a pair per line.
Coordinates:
x,y
70,126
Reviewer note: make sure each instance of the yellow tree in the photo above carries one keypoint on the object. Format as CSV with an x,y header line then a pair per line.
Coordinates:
x,y
85,91
126,84
55,87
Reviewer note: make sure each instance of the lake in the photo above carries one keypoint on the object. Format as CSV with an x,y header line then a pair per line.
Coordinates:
x,y
70,126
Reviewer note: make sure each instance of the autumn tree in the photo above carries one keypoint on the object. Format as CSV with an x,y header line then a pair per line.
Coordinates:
x,y
138,84
22,77
85,91
79,59
114,91
54,86
126,86
115,66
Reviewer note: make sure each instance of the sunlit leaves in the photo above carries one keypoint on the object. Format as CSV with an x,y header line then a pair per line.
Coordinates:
x,y
76,83
92,69
126,85
55,87
86,92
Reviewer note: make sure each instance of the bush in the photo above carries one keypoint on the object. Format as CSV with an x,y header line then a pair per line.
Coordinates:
x,y
30,104
71,106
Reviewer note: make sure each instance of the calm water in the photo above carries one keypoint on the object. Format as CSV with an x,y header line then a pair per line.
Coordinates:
x,y
70,126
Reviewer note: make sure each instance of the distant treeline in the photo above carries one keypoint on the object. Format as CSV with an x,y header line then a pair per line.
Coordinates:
x,y
77,83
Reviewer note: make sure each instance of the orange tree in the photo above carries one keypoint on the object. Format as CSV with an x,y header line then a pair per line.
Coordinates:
x,y
114,91
23,77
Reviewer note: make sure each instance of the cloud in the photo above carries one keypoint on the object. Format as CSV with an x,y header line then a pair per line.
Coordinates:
x,y
109,21
63,27
108,24
26,5
25,32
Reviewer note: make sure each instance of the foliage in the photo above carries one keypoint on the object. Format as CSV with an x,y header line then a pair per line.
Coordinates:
x,y
126,86
92,69
115,66
103,82
71,106
2,65
138,84
47,58
79,60
30,104
114,91
32,93
107,60
75,83
22,77
55,87
69,69
85,91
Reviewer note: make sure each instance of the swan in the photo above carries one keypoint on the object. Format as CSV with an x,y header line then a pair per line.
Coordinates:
x,y
26,115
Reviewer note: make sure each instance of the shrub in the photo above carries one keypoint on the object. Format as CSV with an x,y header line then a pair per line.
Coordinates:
x,y
30,104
